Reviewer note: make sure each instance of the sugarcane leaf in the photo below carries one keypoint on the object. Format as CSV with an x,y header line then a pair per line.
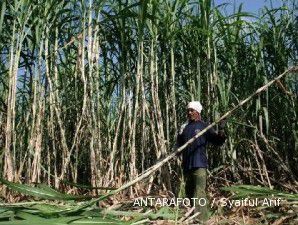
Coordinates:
x,y
258,191
41,192
87,186
6,213
23,218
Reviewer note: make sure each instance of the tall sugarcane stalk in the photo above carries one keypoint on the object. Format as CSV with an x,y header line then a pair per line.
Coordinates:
x,y
113,76
159,164
175,152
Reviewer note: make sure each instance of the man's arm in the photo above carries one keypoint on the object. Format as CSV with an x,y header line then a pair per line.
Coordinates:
x,y
214,137
179,141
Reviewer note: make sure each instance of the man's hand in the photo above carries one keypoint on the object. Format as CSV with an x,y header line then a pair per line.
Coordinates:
x,y
222,134
222,124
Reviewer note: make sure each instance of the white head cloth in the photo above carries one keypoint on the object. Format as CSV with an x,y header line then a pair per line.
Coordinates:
x,y
196,105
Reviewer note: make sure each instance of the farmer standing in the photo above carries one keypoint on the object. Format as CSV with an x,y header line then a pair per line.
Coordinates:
x,y
194,158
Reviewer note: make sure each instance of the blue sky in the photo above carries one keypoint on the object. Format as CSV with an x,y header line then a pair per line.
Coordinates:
x,y
252,6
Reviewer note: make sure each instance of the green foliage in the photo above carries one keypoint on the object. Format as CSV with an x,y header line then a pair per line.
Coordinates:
x,y
242,191
42,191
67,211
27,219
102,86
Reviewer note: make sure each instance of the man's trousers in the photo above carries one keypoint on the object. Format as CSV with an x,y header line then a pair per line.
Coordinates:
x,y
195,187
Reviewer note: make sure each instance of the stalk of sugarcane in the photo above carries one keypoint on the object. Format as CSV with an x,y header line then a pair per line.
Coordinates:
x,y
159,164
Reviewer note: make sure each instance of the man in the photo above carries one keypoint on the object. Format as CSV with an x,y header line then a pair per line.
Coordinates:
x,y
194,158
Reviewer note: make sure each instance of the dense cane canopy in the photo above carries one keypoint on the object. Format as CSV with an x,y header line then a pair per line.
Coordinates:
x,y
95,91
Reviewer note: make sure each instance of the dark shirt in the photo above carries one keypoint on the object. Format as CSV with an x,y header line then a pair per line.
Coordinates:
x,y
194,155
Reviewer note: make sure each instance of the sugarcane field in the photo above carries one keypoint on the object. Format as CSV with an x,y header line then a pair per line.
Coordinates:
x,y
158,112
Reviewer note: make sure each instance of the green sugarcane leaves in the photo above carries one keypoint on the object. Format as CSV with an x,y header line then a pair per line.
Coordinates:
x,y
101,85
258,191
41,191
30,219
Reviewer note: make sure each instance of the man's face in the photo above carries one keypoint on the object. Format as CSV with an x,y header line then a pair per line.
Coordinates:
x,y
193,115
